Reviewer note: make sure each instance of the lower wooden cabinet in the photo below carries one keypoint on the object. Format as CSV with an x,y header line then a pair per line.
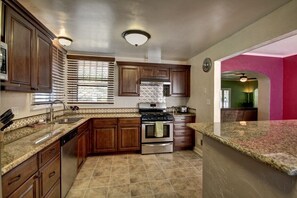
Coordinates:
x,y
28,189
81,150
29,180
129,134
184,137
113,135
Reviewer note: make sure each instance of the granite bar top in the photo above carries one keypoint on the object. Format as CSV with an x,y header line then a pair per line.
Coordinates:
x,y
16,152
272,142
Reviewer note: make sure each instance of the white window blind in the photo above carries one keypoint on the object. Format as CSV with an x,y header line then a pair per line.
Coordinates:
x,y
90,79
58,80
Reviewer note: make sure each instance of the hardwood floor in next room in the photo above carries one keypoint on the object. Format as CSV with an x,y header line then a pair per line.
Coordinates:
x,y
176,174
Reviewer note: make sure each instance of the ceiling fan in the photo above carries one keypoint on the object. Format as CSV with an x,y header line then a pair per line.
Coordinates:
x,y
244,78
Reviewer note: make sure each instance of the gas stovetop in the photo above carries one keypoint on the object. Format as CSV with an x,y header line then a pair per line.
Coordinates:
x,y
154,112
156,116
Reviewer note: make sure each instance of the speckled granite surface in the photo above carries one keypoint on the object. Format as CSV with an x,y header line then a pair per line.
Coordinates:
x,y
16,152
271,142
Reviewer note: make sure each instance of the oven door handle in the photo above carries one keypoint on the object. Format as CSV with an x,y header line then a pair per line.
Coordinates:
x,y
166,144
145,123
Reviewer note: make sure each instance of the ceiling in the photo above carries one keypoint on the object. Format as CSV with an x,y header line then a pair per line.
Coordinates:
x,y
180,29
282,48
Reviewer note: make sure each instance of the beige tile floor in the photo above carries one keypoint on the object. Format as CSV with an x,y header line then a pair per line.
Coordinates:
x,y
177,174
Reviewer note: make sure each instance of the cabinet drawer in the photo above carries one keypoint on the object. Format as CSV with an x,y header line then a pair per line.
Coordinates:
x,y
187,132
49,175
180,126
49,153
183,141
99,123
28,189
129,121
83,127
17,176
186,119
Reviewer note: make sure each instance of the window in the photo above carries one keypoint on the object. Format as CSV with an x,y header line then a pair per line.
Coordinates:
x,y
226,98
90,79
58,80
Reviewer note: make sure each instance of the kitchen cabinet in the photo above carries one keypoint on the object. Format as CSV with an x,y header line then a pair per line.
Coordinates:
x,y
154,72
12,182
131,74
49,169
180,82
29,51
82,144
38,176
184,137
104,135
128,81
128,134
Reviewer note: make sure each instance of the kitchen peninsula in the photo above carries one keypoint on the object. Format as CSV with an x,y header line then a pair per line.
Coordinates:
x,y
250,159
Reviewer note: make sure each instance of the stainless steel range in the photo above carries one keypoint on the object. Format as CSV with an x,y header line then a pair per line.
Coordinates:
x,y
156,128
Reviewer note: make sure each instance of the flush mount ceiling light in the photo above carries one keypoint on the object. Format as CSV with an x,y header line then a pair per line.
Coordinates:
x,y
65,41
136,37
243,79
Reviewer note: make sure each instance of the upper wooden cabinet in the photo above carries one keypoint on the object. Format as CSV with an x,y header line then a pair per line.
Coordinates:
x,y
180,82
153,72
29,51
131,74
128,81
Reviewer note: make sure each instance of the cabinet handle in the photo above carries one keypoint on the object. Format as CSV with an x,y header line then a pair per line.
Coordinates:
x,y
52,174
34,88
15,179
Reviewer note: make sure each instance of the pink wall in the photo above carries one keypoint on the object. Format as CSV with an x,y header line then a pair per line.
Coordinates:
x,y
272,68
290,87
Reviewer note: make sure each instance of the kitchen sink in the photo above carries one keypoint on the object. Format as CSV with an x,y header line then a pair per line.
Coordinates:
x,y
67,120
47,136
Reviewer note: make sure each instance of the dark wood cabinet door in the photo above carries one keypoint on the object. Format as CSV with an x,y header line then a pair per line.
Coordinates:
x,y
162,73
129,138
154,72
88,142
81,150
105,139
49,175
43,69
20,38
28,190
180,82
128,81
55,192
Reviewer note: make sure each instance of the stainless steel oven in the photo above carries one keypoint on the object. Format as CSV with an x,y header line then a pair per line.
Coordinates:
x,y
153,114
148,132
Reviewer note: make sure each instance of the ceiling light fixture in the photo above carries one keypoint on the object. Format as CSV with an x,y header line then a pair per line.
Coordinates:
x,y
243,79
136,37
64,41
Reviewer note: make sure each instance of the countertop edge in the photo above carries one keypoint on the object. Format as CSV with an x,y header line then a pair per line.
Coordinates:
x,y
266,160
6,168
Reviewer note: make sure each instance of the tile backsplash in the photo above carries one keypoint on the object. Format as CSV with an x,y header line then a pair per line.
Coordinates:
x,y
151,93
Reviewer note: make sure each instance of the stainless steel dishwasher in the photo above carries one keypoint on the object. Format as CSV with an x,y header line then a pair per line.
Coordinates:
x,y
68,161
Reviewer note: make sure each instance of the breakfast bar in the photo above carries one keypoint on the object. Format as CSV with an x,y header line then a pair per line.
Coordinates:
x,y
249,159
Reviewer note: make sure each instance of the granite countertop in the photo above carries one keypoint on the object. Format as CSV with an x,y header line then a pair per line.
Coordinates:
x,y
272,142
16,152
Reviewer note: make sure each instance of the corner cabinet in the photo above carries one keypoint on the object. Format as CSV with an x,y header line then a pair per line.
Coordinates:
x,y
104,135
82,144
180,82
29,51
131,74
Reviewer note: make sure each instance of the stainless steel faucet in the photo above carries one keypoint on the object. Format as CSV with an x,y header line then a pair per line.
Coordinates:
x,y
52,108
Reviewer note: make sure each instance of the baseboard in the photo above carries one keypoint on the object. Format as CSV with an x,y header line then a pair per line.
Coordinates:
x,y
198,151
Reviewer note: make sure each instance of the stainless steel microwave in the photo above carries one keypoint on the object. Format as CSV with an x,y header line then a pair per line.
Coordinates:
x,y
3,61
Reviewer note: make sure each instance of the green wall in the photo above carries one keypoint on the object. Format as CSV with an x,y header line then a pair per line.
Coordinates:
x,y
238,96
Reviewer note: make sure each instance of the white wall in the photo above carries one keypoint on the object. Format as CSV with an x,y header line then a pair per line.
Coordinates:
x,y
279,23
21,102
